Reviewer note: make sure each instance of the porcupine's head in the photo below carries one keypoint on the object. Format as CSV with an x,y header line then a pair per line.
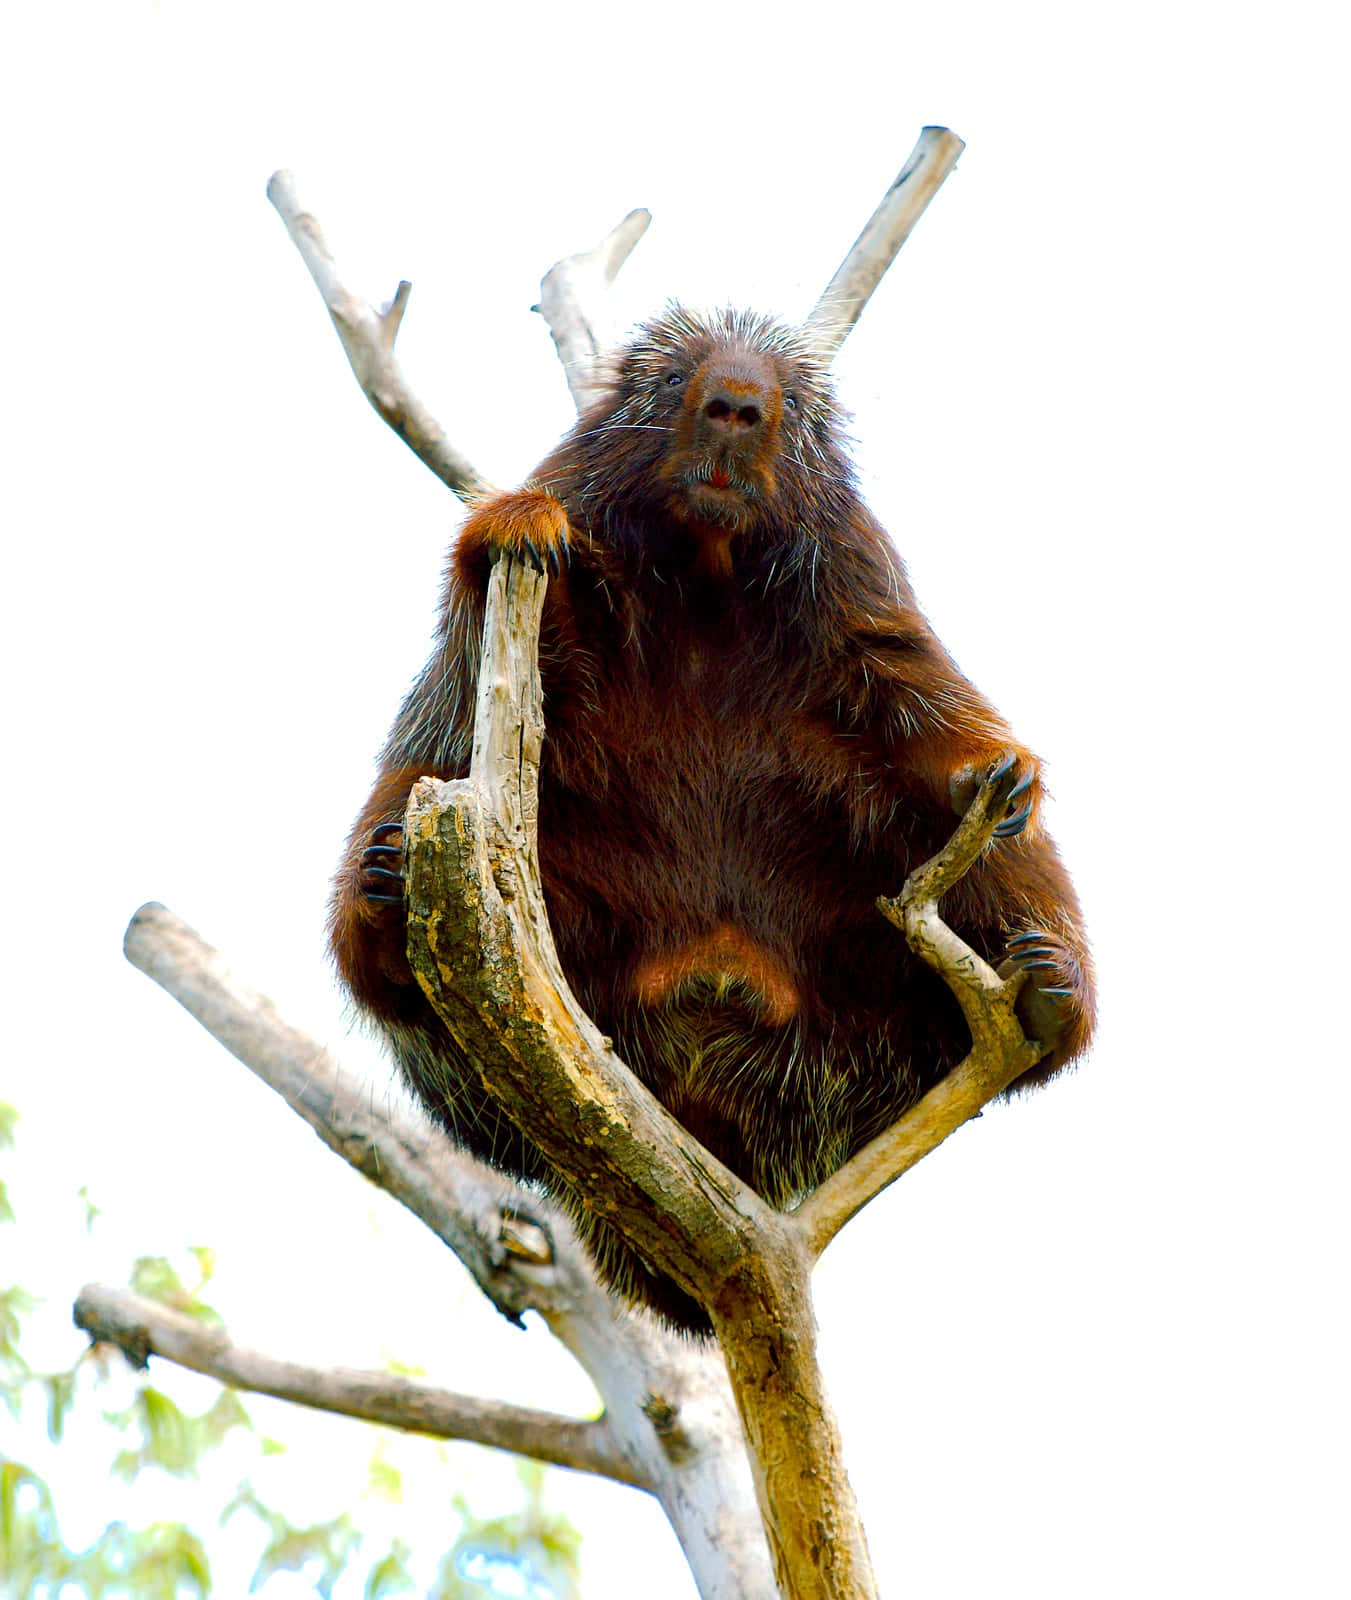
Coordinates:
x,y
723,426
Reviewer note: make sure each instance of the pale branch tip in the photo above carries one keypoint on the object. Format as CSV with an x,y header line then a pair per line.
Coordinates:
x,y
617,246
848,292
392,315
142,1328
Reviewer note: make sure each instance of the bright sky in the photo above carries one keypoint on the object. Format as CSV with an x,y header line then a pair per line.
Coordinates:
x,y
1097,1346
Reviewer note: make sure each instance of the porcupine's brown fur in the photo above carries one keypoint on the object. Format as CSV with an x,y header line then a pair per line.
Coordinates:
x,y
751,733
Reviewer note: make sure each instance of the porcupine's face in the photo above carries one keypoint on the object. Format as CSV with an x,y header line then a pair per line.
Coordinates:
x,y
727,422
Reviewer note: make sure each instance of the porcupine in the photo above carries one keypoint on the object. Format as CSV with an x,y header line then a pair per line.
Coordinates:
x,y
751,733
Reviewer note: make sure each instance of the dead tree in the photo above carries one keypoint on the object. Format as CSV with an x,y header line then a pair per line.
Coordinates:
x,y
731,1436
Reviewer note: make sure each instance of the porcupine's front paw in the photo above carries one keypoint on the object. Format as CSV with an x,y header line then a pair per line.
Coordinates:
x,y
526,523
1017,773
380,876
1050,1005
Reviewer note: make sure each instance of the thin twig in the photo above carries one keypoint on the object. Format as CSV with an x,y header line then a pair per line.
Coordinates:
x,y
1000,1050
143,1328
368,338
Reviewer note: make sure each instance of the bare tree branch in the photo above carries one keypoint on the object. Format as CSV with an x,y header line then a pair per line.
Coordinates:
x,y
839,308
482,1216
667,1404
368,338
574,300
142,1328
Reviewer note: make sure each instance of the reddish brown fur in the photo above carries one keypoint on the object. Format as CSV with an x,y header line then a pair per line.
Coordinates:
x,y
752,732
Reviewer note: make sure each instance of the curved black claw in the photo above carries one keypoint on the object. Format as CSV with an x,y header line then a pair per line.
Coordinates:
x,y
381,877
1009,779
1015,824
1020,789
1034,948
548,560
1045,1005
1025,954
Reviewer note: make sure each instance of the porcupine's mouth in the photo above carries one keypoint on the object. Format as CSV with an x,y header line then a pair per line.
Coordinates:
x,y
715,491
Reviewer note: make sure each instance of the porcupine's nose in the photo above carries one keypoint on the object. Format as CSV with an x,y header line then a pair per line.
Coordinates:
x,y
738,394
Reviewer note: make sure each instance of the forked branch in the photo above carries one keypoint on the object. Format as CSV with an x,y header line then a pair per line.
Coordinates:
x,y
667,1409
368,338
574,299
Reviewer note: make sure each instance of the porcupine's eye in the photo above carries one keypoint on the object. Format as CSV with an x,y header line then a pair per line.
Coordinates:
x,y
790,402
674,379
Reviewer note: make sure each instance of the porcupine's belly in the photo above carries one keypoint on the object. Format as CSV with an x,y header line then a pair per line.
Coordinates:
x,y
686,945
724,932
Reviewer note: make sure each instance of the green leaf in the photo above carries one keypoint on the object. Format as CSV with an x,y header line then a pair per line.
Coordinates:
x,y
170,1439
384,1480
401,1369
91,1212
15,1304
206,1264
9,1120
390,1575
60,1387
156,1278
541,1547
328,1546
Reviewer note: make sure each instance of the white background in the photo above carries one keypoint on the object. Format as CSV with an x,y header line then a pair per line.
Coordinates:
x,y
1096,1346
